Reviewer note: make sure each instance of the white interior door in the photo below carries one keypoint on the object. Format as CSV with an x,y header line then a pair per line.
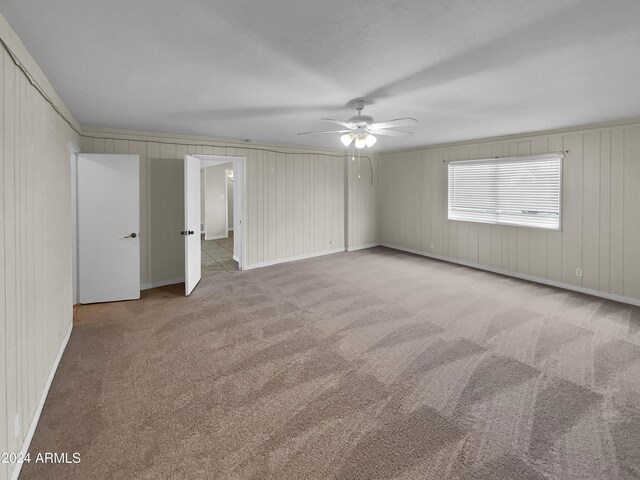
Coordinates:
x,y
191,231
108,204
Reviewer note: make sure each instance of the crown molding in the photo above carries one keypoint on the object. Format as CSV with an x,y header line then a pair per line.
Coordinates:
x,y
21,56
519,136
186,139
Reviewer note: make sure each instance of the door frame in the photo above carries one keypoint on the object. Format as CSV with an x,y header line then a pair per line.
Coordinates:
x,y
226,197
239,172
74,151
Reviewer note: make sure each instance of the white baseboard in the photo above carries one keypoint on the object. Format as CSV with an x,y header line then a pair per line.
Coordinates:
x,y
216,237
531,278
236,258
292,259
362,247
161,283
43,398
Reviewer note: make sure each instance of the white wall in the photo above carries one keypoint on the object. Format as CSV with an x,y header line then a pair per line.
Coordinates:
x,y
295,197
216,201
601,223
35,242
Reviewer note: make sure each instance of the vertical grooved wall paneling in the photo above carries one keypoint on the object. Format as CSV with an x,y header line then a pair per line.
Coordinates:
x,y
363,202
35,249
294,202
600,220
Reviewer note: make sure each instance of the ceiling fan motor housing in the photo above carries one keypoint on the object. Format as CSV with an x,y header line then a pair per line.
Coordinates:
x,y
360,120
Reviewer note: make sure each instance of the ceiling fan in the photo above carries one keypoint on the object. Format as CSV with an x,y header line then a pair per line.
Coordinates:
x,y
362,130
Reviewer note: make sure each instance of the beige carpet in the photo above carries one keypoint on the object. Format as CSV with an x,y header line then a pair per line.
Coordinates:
x,y
372,364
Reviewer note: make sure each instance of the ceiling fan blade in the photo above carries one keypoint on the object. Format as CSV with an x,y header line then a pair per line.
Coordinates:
x,y
324,131
338,122
392,133
398,122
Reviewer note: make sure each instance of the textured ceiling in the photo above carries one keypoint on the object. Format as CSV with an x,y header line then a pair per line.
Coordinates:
x,y
267,69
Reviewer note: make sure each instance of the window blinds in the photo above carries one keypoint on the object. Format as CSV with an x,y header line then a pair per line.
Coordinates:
x,y
522,191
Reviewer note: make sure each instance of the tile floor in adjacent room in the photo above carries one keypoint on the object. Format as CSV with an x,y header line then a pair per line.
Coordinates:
x,y
217,256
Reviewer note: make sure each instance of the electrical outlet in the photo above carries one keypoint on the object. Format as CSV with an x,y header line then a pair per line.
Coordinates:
x,y
16,426
579,272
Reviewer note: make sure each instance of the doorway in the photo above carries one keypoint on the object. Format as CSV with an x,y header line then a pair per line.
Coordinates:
x,y
217,241
220,244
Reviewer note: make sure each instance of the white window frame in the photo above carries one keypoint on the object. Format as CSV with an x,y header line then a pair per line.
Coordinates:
x,y
558,156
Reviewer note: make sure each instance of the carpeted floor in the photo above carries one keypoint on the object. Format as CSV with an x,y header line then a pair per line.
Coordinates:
x,y
371,364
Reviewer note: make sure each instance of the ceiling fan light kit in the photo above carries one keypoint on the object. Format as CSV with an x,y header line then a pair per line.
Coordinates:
x,y
361,129
361,140
346,139
370,140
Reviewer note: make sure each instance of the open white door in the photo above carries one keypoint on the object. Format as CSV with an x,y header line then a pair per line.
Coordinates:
x,y
192,273
108,204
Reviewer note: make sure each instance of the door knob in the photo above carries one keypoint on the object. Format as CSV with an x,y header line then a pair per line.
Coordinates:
x,y
132,235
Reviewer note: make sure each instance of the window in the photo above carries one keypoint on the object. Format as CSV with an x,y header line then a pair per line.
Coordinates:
x,y
521,191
